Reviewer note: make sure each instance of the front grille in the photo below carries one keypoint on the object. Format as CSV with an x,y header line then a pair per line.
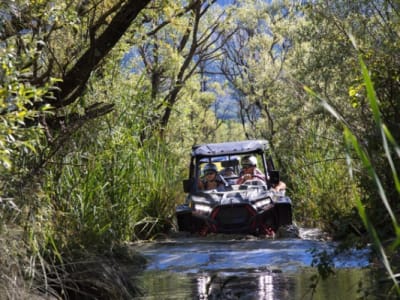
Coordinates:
x,y
231,218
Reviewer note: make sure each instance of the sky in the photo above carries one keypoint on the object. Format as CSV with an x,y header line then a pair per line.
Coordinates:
x,y
224,2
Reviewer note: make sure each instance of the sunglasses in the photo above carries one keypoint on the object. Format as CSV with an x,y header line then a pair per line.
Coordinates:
x,y
247,166
209,173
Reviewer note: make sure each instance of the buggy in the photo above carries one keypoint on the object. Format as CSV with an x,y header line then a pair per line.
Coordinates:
x,y
252,207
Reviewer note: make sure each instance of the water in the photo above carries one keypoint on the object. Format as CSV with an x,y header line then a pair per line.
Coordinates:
x,y
243,267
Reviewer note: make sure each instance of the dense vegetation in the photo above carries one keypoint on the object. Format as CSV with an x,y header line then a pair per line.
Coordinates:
x,y
100,102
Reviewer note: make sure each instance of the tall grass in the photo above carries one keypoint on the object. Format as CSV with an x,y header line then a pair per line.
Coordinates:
x,y
322,195
123,192
392,150
103,191
105,187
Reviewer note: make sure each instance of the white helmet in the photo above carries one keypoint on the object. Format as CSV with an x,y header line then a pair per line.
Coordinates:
x,y
249,161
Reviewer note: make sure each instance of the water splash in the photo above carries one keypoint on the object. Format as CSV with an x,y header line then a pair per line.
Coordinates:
x,y
193,255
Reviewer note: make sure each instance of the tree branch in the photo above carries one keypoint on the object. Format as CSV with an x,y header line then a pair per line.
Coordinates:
x,y
75,80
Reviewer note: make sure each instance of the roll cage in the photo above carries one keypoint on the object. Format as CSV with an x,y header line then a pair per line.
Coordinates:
x,y
228,155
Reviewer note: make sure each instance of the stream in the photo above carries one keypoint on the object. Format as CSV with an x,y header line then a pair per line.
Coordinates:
x,y
246,267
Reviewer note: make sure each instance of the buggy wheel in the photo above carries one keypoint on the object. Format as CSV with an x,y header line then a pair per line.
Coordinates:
x,y
269,223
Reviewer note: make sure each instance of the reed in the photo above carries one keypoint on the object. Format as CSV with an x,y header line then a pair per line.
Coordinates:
x,y
123,192
392,150
93,203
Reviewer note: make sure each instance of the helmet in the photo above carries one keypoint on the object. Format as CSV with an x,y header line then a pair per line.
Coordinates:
x,y
249,160
210,168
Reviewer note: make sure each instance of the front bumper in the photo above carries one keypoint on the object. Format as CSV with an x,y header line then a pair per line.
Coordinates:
x,y
239,218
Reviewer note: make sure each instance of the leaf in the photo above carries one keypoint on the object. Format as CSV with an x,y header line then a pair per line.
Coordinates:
x,y
370,92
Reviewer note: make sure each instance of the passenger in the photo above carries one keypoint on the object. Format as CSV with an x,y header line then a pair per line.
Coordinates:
x,y
274,182
249,170
228,172
280,186
210,180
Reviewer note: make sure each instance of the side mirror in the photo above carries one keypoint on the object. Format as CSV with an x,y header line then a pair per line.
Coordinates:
x,y
188,185
274,177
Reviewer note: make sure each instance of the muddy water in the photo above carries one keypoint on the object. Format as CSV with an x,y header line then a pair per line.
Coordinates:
x,y
237,267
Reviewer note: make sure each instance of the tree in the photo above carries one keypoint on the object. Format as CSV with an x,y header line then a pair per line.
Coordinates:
x,y
67,41
267,62
330,67
173,58
253,65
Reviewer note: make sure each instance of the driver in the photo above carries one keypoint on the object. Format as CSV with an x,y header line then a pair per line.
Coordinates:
x,y
211,180
249,170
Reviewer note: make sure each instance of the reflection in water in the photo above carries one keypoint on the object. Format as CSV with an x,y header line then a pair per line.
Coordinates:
x,y
253,285
202,286
265,290
235,286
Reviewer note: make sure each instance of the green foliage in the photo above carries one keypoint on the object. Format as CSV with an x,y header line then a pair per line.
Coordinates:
x,y
267,58
319,182
171,62
255,56
384,133
102,196
119,178
364,156
111,186
22,202
16,101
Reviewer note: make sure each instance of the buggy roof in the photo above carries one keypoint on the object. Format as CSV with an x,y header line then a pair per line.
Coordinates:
x,y
230,148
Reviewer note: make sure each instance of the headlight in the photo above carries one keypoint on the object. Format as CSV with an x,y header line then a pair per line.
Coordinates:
x,y
202,208
262,203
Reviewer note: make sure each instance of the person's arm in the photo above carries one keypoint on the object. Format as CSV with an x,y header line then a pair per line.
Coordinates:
x,y
280,186
244,178
200,185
